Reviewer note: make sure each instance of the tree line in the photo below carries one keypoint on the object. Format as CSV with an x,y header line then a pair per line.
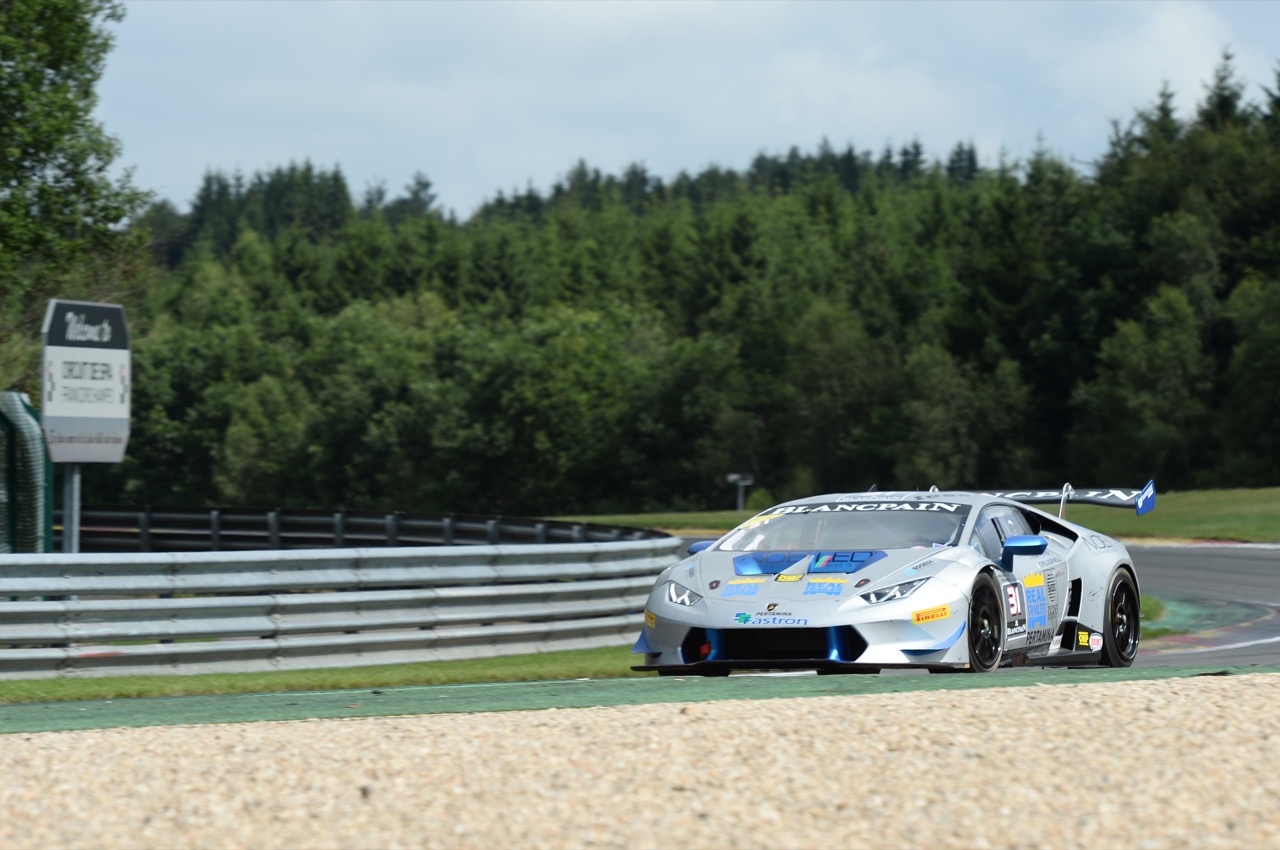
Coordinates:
x,y
824,320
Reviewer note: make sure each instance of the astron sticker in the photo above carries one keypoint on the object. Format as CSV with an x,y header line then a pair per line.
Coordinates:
x,y
742,618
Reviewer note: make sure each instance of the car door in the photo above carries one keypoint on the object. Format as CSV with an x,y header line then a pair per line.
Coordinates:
x,y
1030,590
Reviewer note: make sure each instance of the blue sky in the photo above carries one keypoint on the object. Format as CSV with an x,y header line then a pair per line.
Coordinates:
x,y
490,95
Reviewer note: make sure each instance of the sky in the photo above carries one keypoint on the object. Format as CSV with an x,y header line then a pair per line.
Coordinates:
x,y
492,96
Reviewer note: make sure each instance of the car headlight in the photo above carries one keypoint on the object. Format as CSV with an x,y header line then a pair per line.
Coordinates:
x,y
897,591
678,594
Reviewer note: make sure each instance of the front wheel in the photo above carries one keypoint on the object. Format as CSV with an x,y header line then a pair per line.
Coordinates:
x,y
986,625
1120,643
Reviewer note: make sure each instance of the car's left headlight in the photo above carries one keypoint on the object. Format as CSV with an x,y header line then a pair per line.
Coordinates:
x,y
896,591
678,594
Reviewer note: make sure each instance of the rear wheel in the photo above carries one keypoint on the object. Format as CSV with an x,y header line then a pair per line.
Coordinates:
x,y
1123,625
986,625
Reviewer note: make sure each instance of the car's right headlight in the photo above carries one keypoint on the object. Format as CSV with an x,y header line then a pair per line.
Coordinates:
x,y
678,594
896,591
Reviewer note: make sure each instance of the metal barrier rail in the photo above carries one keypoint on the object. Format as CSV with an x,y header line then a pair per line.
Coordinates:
x,y
203,612
120,528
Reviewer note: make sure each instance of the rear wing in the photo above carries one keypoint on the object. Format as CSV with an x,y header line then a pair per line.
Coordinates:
x,y
1142,501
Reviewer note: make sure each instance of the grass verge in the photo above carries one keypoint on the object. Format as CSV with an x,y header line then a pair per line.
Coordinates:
x,y
604,663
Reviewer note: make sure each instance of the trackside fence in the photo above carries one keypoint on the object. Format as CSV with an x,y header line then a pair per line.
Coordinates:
x,y
104,614
122,528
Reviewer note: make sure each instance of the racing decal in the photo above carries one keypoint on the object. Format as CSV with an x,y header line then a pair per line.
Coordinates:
x,y
772,563
756,520
929,615
1083,638
845,507
649,619
1014,592
915,568
789,577
1095,641
766,563
1037,605
742,618
843,562
1097,541
1016,622
1048,562
743,586
1038,636
825,586
1147,499
1056,643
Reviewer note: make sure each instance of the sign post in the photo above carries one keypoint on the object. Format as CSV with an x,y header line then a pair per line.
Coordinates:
x,y
743,480
85,395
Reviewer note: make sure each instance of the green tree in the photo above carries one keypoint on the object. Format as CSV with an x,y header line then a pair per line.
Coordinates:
x,y
1251,447
61,217
1145,414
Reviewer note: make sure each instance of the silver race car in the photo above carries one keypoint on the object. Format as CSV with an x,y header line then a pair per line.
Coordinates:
x,y
859,582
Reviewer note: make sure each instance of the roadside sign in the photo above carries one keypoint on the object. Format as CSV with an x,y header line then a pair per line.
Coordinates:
x,y
84,398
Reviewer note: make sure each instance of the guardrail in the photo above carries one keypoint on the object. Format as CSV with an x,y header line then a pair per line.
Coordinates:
x,y
203,612
119,528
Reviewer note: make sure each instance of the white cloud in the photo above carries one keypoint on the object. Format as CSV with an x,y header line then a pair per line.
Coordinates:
x,y
1178,44
492,96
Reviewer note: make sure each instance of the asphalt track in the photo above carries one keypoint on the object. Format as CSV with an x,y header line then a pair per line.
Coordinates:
x,y
1226,596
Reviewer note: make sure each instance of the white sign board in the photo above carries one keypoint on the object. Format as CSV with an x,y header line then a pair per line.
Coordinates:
x,y
84,399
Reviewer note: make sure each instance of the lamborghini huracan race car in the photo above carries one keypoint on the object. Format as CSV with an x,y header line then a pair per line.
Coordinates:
x,y
859,582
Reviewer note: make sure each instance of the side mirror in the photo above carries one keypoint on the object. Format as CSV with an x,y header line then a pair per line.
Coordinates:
x,y
695,548
1021,544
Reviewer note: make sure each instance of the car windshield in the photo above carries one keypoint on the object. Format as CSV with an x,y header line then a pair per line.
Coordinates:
x,y
846,526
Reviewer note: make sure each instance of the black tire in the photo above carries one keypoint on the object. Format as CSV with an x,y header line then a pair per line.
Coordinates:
x,y
986,625
1123,625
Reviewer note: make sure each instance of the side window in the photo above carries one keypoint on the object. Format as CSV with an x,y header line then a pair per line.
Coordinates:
x,y
986,537
993,526
1011,523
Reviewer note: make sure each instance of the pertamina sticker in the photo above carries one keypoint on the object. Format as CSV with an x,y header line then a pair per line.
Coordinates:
x,y
928,615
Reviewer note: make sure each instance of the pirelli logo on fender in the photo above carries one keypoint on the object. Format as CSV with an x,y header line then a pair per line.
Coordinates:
x,y
928,615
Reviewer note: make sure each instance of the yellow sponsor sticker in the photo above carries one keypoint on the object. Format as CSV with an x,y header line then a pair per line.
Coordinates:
x,y
928,615
747,580
785,577
649,619
1034,580
827,580
1082,638
758,519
